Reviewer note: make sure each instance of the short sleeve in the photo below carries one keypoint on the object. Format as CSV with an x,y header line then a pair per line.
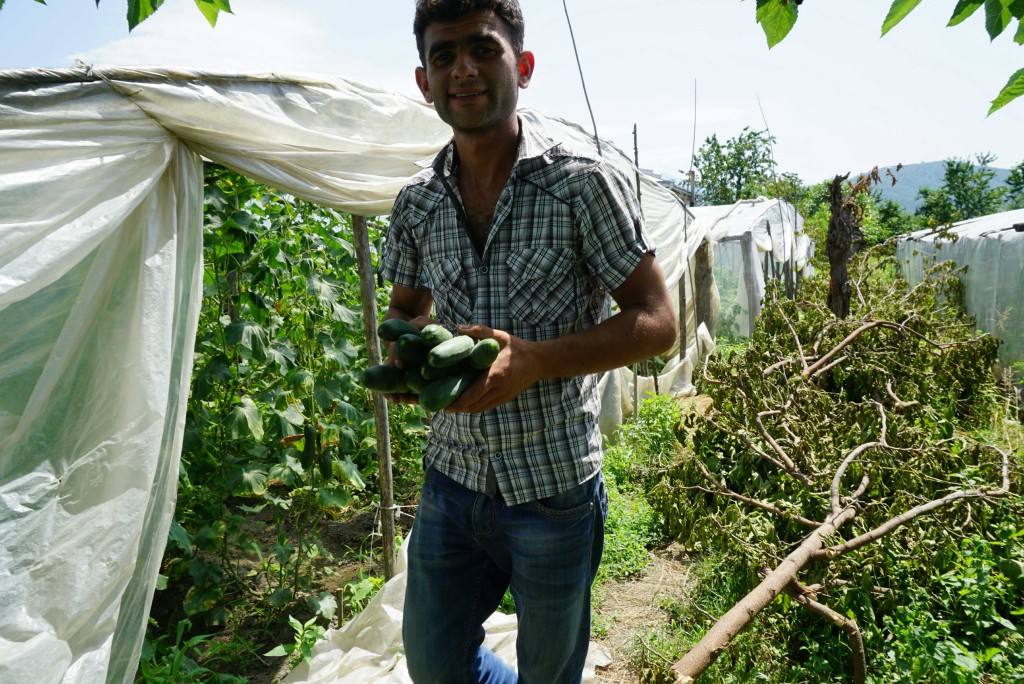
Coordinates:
x,y
611,226
399,262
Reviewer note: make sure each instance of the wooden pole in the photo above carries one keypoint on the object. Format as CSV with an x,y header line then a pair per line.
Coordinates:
x,y
380,404
749,279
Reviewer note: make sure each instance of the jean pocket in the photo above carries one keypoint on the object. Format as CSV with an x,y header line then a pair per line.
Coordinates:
x,y
572,504
448,287
542,285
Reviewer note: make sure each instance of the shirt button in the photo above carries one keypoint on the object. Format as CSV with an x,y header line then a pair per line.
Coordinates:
x,y
483,269
497,456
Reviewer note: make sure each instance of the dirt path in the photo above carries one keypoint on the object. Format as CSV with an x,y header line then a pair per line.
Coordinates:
x,y
631,609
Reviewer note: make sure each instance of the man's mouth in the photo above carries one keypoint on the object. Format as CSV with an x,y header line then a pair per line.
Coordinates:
x,y
465,95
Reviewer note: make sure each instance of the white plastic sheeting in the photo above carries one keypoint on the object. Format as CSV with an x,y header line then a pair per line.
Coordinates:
x,y
100,287
992,249
751,238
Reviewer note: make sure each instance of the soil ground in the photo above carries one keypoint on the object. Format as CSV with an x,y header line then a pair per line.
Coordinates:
x,y
624,610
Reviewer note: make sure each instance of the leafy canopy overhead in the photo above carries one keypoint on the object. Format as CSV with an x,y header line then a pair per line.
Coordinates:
x,y
777,18
140,10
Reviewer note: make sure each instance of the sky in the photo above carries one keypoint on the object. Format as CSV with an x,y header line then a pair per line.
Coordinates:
x,y
836,95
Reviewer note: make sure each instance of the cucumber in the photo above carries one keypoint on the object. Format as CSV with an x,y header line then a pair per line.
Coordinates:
x,y
429,372
326,464
484,352
414,379
435,334
451,352
441,393
412,349
308,446
385,378
393,328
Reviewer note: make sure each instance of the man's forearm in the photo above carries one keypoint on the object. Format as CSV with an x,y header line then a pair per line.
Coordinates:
x,y
627,337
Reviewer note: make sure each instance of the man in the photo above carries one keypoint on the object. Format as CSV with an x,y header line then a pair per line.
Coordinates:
x,y
511,236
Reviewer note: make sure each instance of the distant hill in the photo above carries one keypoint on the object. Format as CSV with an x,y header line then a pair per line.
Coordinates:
x,y
914,176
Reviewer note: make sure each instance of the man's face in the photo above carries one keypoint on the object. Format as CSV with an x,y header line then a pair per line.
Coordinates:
x,y
472,74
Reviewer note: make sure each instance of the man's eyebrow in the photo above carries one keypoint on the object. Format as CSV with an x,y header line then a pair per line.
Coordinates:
x,y
475,39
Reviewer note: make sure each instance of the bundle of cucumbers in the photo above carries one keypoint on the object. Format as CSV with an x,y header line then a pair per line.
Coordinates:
x,y
438,366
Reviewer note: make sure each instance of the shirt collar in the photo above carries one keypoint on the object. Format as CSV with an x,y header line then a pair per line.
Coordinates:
x,y
534,147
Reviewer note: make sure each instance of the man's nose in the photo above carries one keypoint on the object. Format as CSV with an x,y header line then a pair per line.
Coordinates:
x,y
465,66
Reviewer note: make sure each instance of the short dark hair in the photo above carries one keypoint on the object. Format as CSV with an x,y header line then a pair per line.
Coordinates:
x,y
428,11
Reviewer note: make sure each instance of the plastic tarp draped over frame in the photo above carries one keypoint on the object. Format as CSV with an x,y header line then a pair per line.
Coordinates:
x,y
992,249
752,239
100,290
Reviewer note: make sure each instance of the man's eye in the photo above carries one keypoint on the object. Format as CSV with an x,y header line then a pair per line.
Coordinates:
x,y
441,59
485,51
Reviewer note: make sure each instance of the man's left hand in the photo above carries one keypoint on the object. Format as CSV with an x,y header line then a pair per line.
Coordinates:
x,y
512,372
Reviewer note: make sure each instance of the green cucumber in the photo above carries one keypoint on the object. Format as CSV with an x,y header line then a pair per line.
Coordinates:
x,y
412,349
385,378
326,464
414,379
484,352
441,393
451,352
308,446
435,334
393,328
429,372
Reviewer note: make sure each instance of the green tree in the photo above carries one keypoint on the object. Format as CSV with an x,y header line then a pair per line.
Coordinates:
x,y
740,168
966,192
140,10
777,18
1015,187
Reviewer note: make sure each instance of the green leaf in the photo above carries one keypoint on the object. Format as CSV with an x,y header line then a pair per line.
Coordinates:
x,y
245,421
333,497
248,479
351,471
1019,38
964,9
140,10
325,604
250,335
212,8
777,18
180,537
280,650
897,13
997,16
1013,89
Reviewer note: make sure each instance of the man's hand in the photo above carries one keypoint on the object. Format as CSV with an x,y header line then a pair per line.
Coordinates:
x,y
513,371
392,358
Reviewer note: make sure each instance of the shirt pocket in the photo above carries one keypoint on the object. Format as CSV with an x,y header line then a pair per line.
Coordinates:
x,y
542,285
447,281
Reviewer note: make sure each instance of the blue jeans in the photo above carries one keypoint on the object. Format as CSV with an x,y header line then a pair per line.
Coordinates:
x,y
466,548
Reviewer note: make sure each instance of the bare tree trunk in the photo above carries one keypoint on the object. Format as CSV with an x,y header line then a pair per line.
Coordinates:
x,y
843,238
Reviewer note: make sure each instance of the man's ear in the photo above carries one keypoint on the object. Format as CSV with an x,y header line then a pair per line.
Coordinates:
x,y
525,68
424,85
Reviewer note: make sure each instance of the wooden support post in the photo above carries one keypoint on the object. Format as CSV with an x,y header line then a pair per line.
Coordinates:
x,y
380,405
683,337
705,292
749,278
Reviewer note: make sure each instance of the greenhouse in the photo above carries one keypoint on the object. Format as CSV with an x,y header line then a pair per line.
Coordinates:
x,y
100,289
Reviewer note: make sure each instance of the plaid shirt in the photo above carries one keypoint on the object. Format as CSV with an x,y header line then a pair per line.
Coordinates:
x,y
566,231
